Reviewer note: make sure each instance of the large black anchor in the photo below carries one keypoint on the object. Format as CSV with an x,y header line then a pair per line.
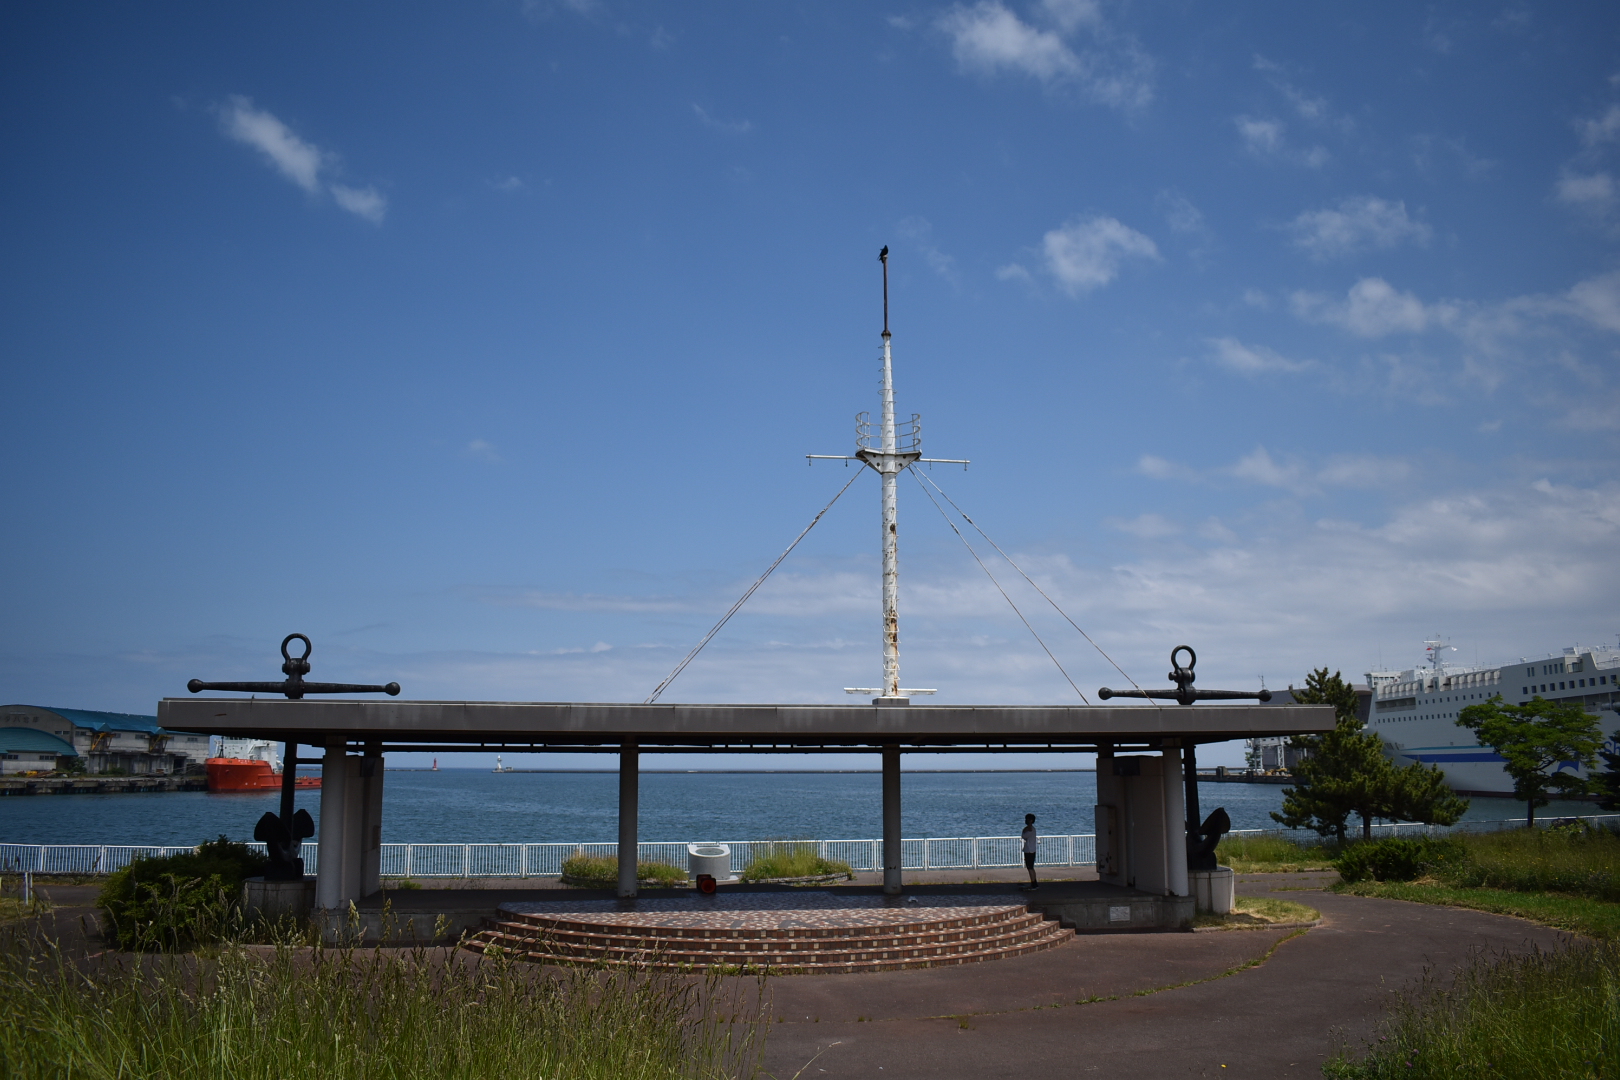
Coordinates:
x,y
1183,678
282,834
294,686
1202,837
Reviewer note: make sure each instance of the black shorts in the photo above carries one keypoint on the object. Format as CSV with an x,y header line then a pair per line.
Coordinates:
x,y
1029,860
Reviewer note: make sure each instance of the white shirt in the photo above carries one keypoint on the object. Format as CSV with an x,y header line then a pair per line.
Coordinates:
x,y
1029,839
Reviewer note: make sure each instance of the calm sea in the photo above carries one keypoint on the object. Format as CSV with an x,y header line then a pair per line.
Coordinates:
x,y
478,806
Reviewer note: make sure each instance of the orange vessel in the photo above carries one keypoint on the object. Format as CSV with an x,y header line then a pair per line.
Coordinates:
x,y
249,774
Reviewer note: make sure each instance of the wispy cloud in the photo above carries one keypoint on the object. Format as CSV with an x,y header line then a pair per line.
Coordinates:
x,y
988,38
1292,473
1359,223
920,233
295,158
1233,355
483,450
730,127
1087,253
1593,193
1145,526
1266,138
1602,129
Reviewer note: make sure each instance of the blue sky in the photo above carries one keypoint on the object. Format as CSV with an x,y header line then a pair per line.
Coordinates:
x,y
483,344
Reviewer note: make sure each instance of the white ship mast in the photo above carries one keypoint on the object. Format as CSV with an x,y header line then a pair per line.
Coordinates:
x,y
896,448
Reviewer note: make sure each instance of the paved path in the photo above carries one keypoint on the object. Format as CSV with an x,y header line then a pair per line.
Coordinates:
x,y
1017,1018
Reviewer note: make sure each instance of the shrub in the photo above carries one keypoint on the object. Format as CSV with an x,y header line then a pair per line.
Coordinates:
x,y
176,901
793,860
602,871
1396,858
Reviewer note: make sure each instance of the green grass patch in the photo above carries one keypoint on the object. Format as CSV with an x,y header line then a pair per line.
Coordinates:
x,y
1575,859
602,871
296,1013
1258,912
1261,853
1545,1016
789,859
1577,914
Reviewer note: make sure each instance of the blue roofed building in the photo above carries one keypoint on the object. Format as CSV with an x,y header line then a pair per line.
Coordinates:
x,y
104,742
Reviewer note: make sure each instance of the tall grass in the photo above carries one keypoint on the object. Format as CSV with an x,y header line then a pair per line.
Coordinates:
x,y
1545,1016
1577,860
793,859
281,1013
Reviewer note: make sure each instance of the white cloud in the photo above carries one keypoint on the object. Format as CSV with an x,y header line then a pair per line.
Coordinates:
x,y
294,158
1163,469
507,183
1594,192
730,127
1257,298
1252,359
366,202
1086,253
1601,130
1372,308
1358,223
988,38
1597,300
299,161
1013,272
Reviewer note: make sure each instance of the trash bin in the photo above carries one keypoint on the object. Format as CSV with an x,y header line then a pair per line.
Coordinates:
x,y
712,861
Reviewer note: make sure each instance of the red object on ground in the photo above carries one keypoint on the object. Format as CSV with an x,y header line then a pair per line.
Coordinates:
x,y
705,884
249,774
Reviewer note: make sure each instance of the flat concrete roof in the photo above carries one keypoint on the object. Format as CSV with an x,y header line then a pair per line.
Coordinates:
x,y
565,725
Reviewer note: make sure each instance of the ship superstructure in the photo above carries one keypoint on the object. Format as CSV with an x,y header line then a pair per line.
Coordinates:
x,y
1415,711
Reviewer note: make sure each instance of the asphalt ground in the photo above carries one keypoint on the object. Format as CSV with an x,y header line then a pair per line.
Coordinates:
x,y
1236,1003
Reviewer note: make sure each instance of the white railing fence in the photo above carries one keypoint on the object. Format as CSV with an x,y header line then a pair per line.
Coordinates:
x,y
545,860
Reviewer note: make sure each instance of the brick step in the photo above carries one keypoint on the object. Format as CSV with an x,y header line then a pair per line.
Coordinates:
x,y
646,938
791,963
550,922
762,952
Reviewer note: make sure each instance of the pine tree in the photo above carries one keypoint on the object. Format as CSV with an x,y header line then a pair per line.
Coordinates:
x,y
1607,782
1346,772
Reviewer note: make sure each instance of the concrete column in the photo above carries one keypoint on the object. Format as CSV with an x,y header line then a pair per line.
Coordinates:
x,y
1189,772
629,783
354,846
1175,825
329,877
371,782
892,857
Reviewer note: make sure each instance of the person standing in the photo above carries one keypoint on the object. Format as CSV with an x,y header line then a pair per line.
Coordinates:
x,y
1031,846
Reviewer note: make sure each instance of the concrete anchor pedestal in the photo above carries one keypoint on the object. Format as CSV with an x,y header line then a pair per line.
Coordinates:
x,y
1215,890
273,900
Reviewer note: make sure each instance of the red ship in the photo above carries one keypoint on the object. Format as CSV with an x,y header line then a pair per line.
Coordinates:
x,y
250,765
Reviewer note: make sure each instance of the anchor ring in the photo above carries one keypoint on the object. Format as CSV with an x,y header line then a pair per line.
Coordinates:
x,y
1192,657
308,648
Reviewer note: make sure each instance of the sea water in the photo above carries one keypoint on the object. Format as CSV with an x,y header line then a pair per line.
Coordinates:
x,y
468,806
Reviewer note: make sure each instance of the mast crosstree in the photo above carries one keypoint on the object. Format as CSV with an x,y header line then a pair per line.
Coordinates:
x,y
893,449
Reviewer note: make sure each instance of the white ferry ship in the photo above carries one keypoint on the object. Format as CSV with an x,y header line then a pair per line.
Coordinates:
x,y
1415,711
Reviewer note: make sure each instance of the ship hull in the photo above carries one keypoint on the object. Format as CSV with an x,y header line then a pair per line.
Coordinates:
x,y
249,774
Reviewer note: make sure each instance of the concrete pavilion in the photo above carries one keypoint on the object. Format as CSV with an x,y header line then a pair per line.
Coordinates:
x,y
1145,759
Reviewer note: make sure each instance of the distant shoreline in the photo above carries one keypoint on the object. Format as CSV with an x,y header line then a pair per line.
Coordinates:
x,y
724,772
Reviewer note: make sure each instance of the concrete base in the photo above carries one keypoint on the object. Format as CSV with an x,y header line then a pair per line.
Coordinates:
x,y
274,900
1123,910
1215,890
